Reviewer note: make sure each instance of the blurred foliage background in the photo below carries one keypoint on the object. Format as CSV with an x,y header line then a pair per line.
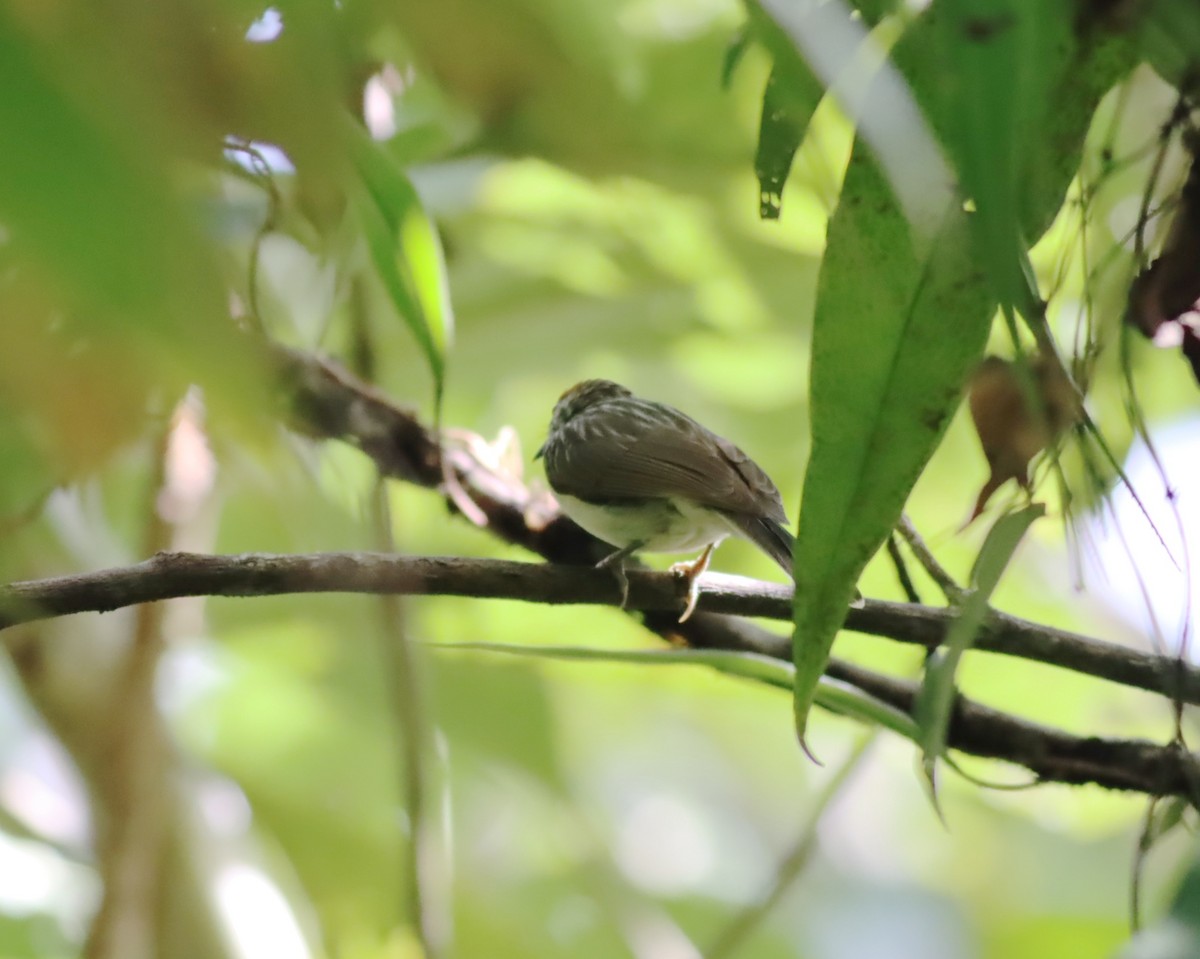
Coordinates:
x,y
516,195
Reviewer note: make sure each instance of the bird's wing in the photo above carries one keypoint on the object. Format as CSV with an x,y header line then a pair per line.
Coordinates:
x,y
672,456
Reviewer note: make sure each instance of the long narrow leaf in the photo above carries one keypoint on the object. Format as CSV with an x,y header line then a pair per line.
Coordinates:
x,y
405,250
790,98
895,334
997,92
904,299
831,694
1026,83
936,698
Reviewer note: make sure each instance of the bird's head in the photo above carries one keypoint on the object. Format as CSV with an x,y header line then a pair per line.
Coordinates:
x,y
580,397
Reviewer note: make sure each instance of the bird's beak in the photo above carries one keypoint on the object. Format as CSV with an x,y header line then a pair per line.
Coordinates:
x,y
541,450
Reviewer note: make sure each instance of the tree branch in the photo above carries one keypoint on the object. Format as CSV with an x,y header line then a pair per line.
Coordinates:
x,y
1052,755
327,403
170,575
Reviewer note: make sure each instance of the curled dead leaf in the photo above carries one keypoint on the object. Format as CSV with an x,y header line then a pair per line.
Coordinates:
x,y
1017,414
1168,290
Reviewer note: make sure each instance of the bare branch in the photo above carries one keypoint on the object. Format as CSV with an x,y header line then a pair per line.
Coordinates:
x,y
1051,754
937,572
169,575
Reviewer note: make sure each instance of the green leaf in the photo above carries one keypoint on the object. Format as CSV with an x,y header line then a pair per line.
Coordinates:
x,y
1014,107
902,315
895,334
790,98
834,695
739,43
905,297
997,51
94,207
936,697
1023,82
1167,814
1186,906
405,250
1170,38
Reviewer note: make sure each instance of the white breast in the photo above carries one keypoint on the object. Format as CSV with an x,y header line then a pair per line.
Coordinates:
x,y
665,526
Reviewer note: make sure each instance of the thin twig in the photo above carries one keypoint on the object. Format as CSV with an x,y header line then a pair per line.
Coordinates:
x,y
131,796
937,572
408,701
266,178
908,587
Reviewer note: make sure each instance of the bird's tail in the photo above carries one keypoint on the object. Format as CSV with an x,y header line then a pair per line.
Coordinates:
x,y
771,538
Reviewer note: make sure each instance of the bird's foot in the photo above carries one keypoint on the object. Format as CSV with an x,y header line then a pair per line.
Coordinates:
x,y
615,562
691,572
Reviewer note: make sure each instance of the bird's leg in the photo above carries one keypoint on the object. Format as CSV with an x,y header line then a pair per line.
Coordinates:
x,y
615,562
691,572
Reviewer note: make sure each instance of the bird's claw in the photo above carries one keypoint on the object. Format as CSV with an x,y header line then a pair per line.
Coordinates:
x,y
615,562
691,572
693,589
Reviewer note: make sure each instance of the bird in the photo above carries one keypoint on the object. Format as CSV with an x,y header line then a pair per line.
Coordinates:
x,y
642,475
